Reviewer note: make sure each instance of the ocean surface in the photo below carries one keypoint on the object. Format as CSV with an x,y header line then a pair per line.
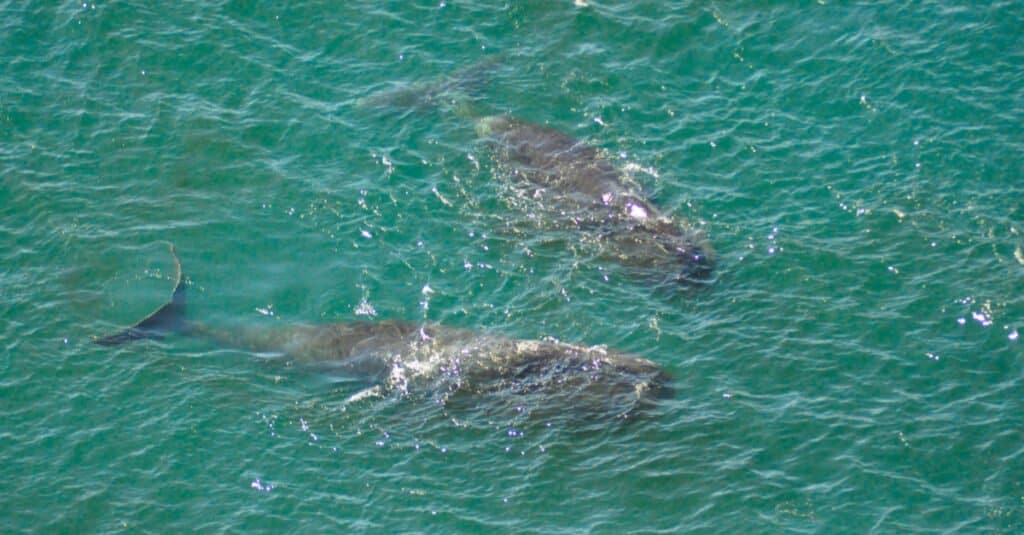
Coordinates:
x,y
855,365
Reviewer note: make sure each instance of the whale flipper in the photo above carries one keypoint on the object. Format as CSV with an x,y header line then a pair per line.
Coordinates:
x,y
168,318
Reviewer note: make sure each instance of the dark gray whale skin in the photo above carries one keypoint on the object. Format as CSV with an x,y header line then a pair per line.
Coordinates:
x,y
444,363
584,189
575,178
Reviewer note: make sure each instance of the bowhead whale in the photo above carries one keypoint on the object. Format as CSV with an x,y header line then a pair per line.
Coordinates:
x,y
589,192
576,186
447,364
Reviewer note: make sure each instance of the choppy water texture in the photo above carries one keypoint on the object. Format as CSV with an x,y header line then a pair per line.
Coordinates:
x,y
855,366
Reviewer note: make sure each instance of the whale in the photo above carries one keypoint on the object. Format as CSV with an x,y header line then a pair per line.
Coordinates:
x,y
450,365
577,186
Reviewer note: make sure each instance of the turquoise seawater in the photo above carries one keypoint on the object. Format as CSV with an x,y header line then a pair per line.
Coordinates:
x,y
855,366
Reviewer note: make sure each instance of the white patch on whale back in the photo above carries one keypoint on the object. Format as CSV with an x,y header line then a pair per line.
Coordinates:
x,y
421,364
527,346
636,211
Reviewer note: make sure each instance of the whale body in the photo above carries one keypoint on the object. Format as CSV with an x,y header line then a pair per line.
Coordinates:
x,y
575,184
447,364
589,192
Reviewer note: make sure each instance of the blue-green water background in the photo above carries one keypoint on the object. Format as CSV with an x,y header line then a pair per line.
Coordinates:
x,y
854,368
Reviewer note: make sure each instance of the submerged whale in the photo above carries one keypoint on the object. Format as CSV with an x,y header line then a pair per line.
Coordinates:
x,y
585,189
576,186
450,365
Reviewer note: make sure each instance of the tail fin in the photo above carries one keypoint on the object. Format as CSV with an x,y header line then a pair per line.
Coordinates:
x,y
168,318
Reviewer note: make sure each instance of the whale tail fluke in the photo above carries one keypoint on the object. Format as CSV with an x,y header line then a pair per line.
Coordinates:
x,y
169,318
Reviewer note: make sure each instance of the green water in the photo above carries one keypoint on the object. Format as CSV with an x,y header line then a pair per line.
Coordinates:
x,y
855,366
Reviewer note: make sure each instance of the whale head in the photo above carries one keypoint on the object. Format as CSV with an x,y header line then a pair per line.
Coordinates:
x,y
663,250
687,257
698,261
